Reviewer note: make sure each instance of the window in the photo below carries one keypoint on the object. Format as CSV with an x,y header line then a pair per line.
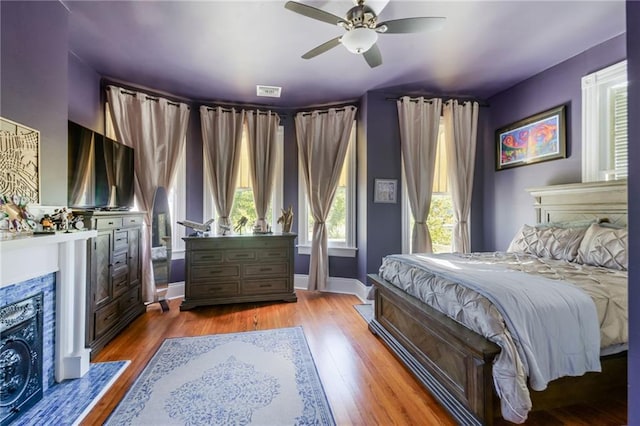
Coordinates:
x,y
243,204
604,124
176,194
440,218
341,224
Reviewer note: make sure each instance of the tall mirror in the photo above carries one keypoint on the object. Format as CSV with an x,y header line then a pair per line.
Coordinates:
x,y
161,245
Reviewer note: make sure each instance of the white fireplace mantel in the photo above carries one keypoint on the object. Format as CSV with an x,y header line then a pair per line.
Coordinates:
x,y
24,258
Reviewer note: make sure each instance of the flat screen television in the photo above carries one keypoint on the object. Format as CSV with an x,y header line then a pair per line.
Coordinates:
x,y
100,171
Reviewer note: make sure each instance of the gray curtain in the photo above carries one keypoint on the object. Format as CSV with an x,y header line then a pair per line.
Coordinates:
x,y
222,136
263,132
419,120
323,139
461,127
156,128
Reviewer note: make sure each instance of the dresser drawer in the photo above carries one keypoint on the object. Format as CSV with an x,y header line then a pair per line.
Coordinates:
x,y
239,255
108,222
129,300
267,242
105,318
204,257
120,241
213,243
276,285
274,253
120,284
132,221
120,265
204,273
214,290
258,270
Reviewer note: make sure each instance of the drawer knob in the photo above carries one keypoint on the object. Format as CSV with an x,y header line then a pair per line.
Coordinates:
x,y
265,269
265,285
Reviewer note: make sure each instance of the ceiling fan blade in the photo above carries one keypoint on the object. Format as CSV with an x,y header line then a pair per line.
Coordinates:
x,y
411,25
313,12
373,56
322,48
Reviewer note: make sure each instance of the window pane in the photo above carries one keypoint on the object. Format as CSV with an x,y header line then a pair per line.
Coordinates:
x,y
337,218
243,206
440,222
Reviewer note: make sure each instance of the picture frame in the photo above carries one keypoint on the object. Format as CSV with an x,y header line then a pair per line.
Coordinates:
x,y
20,158
540,137
385,191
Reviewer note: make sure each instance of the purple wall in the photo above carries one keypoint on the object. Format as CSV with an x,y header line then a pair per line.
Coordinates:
x,y
383,234
85,106
33,84
633,71
507,205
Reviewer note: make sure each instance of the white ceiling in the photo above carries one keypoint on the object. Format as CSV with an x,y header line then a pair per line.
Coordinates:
x,y
220,50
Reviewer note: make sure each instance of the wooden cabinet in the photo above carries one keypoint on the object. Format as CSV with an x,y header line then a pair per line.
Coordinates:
x,y
238,268
114,294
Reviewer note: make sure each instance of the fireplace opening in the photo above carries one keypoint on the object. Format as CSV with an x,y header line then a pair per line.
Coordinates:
x,y
20,357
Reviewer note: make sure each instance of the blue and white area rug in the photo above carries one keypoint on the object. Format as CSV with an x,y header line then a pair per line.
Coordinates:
x,y
252,378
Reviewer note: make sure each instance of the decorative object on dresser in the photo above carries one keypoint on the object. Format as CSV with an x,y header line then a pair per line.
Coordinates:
x,y
286,219
238,268
114,296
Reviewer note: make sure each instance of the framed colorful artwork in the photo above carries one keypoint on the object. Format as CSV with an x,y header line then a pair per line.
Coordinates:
x,y
541,137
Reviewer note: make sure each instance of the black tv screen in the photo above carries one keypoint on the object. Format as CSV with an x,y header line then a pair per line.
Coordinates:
x,y
100,171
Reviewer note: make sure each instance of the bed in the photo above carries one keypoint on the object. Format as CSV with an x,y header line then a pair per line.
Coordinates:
x,y
456,364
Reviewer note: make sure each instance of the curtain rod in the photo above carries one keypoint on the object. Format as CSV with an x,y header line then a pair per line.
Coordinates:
x,y
149,97
326,111
257,111
480,102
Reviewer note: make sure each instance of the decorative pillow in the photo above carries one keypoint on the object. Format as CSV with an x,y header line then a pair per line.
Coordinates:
x,y
549,242
603,246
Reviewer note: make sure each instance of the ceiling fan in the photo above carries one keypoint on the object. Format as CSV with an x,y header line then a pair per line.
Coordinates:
x,y
362,29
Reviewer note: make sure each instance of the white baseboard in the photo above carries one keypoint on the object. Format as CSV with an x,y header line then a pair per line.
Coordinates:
x,y
175,290
337,285
334,285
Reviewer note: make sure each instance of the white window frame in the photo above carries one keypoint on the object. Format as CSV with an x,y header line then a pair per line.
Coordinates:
x,y
596,121
177,195
277,198
347,248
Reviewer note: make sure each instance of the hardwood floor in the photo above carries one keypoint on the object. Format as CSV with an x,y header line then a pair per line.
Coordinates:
x,y
364,382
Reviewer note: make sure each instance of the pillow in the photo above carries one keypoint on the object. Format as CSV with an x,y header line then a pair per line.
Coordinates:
x,y
551,242
603,246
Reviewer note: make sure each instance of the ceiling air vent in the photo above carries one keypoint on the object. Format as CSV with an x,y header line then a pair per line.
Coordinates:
x,y
268,91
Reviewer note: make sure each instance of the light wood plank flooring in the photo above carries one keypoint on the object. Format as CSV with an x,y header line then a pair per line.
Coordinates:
x,y
364,382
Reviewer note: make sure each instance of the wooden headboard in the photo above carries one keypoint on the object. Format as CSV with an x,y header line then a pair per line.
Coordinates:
x,y
582,201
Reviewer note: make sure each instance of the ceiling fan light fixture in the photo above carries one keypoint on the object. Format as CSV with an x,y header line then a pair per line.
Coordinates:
x,y
359,40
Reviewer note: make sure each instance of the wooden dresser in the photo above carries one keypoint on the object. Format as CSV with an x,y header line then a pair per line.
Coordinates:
x,y
238,268
114,293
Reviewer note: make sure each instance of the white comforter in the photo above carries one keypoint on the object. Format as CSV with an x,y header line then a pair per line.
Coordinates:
x,y
436,287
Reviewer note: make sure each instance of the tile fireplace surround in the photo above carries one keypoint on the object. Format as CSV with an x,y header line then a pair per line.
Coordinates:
x,y
63,258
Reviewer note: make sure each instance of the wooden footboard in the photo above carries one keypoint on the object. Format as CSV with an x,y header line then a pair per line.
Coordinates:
x,y
455,363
